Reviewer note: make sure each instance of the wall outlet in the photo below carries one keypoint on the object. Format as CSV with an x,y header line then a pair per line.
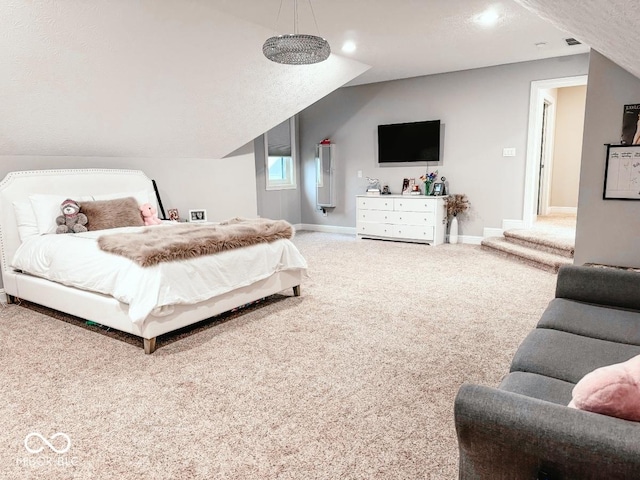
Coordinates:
x,y
359,173
508,152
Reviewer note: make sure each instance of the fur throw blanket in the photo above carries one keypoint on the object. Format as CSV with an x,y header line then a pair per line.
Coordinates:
x,y
183,241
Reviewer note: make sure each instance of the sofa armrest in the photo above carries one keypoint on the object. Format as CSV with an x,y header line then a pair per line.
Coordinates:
x,y
602,286
504,435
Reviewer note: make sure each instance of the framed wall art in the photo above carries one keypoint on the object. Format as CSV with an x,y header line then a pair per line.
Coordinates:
x,y
622,173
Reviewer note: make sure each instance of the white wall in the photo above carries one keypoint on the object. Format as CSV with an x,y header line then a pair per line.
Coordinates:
x,y
225,187
482,111
567,151
144,78
607,231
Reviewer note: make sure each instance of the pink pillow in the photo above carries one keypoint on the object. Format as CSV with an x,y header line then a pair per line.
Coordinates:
x,y
613,390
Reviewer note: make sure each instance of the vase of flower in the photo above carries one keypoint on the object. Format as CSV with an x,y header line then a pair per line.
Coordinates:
x,y
428,179
456,205
453,230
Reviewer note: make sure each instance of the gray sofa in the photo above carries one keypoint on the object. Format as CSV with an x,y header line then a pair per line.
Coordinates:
x,y
523,429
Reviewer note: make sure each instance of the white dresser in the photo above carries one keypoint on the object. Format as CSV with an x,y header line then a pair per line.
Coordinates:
x,y
406,218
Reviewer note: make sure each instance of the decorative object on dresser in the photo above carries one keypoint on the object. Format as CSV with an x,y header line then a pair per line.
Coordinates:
x,y
374,186
456,204
399,217
428,179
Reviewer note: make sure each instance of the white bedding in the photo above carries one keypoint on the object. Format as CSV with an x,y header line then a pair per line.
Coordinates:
x,y
76,260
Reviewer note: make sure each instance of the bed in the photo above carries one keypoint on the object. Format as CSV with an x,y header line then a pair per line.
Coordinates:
x,y
117,310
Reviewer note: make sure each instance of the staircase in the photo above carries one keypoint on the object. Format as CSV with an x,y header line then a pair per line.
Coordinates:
x,y
541,248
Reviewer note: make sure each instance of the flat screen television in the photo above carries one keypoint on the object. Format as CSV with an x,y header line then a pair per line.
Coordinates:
x,y
414,143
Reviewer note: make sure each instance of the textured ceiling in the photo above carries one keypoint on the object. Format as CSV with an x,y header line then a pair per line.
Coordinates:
x,y
150,78
612,27
408,38
186,78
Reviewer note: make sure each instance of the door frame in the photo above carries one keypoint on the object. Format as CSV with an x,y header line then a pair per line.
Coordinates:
x,y
534,139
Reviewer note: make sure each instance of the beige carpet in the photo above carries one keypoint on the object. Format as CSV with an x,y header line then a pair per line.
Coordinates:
x,y
355,379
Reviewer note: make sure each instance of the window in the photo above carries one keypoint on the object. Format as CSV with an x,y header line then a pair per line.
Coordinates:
x,y
280,147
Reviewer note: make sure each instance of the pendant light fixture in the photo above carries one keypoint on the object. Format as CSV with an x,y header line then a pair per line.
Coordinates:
x,y
296,48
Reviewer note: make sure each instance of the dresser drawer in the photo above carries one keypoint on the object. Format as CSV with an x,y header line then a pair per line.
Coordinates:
x,y
377,216
413,232
374,229
415,218
416,204
375,203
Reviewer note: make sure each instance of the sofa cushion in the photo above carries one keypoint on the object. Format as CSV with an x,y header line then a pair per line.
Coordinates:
x,y
567,356
603,286
612,390
605,323
538,386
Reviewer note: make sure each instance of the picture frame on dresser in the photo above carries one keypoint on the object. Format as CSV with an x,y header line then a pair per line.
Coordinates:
x,y
438,189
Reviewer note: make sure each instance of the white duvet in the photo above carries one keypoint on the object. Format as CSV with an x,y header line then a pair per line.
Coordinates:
x,y
76,260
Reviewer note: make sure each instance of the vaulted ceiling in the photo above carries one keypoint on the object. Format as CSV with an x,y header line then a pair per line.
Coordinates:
x,y
186,78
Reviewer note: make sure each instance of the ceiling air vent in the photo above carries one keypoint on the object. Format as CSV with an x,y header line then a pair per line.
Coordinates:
x,y
572,41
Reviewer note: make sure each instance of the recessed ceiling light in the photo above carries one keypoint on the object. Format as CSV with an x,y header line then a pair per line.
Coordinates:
x,y
541,44
349,46
488,18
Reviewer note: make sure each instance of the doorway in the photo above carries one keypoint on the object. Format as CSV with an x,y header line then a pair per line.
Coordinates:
x,y
539,161
544,153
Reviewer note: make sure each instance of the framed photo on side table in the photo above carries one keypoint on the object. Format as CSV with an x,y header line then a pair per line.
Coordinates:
x,y
197,215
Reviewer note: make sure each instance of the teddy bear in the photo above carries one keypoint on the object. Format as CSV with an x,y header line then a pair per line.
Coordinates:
x,y
149,214
71,220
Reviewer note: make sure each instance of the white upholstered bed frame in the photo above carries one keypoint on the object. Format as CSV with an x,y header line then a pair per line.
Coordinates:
x,y
99,308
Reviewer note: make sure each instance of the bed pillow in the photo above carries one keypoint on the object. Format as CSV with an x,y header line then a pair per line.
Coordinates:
x,y
613,390
105,214
26,219
47,207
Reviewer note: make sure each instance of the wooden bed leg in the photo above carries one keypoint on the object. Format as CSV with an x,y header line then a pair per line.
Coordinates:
x,y
149,345
296,291
10,299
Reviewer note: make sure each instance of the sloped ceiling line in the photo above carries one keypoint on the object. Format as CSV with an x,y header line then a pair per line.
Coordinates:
x,y
153,78
610,26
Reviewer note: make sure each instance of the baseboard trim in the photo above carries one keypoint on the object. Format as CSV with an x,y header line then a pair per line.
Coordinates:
x,y
513,224
492,232
566,210
470,239
325,228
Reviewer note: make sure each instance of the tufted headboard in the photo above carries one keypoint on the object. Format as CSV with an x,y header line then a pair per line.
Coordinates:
x,y
18,186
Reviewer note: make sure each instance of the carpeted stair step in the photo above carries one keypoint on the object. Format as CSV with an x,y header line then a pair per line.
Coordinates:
x,y
550,262
542,240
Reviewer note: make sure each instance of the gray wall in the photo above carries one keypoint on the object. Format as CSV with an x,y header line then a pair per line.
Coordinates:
x,y
276,204
608,231
482,111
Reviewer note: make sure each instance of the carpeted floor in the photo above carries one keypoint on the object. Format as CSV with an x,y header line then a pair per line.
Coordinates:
x,y
355,379
559,226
